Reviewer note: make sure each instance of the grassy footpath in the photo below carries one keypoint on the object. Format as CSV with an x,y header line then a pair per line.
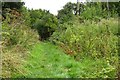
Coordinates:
x,y
49,61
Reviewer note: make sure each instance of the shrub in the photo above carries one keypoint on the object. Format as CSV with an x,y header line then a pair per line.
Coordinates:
x,y
46,26
89,39
17,39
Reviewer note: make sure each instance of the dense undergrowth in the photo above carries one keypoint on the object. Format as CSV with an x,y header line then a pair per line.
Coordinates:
x,y
97,40
17,40
72,46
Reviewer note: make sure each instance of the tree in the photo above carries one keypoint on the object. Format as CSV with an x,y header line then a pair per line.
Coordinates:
x,y
112,7
9,8
11,5
66,14
78,8
44,22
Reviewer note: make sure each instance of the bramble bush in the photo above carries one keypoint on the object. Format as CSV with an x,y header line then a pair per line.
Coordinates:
x,y
89,39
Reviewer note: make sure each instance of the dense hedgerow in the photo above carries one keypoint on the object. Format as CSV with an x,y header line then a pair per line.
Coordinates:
x,y
17,39
96,40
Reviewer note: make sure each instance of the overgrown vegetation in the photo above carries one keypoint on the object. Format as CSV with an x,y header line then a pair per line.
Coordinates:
x,y
74,44
16,41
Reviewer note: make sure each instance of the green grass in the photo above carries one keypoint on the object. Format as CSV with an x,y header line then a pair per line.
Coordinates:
x,y
49,61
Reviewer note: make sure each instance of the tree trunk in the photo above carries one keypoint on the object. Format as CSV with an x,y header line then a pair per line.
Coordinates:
x,y
78,7
108,9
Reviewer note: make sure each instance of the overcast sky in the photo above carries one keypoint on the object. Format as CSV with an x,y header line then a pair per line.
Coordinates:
x,y
52,5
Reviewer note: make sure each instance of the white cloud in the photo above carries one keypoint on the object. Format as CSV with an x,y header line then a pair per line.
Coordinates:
x,y
52,5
